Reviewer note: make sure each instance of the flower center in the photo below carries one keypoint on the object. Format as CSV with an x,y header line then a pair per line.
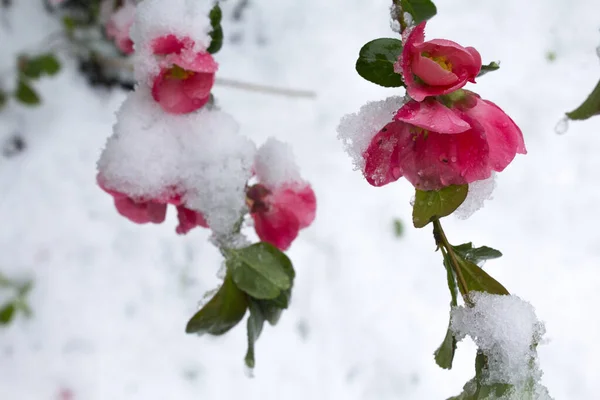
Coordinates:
x,y
256,198
416,132
179,73
442,61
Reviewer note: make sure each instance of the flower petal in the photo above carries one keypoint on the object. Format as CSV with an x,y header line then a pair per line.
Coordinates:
x,y
433,116
189,219
278,226
300,199
381,156
433,160
504,137
141,213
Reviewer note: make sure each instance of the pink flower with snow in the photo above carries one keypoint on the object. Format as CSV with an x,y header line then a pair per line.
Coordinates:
x,y
143,210
435,146
118,25
435,67
186,76
280,212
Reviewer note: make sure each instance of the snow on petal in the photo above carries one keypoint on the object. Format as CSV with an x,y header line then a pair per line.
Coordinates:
x,y
357,130
183,23
274,164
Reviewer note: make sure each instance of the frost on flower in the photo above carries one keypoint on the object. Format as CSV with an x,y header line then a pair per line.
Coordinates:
x,y
161,18
507,331
358,129
197,160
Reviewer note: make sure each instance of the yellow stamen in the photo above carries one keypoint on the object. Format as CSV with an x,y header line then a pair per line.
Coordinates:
x,y
442,61
176,72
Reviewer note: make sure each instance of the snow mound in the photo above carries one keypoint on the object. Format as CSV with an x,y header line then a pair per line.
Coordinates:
x,y
200,156
507,330
479,192
274,164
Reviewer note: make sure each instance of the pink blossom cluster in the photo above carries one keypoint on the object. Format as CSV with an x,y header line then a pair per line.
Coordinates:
x,y
444,135
178,76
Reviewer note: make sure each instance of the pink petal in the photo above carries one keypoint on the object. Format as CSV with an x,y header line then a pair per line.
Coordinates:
x,y
170,44
431,72
141,213
416,35
433,116
504,137
199,86
278,226
300,199
189,219
474,67
433,160
177,96
381,156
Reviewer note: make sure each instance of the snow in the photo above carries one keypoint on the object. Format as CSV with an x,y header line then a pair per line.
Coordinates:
x,y
153,154
506,329
274,164
358,129
111,298
479,192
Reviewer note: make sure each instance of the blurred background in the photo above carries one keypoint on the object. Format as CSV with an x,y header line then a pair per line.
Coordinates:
x,y
104,317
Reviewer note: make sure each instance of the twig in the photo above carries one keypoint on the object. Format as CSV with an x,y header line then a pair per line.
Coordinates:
x,y
253,87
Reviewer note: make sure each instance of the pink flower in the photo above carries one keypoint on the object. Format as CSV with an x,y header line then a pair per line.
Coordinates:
x,y
434,146
437,66
279,213
118,25
186,75
143,210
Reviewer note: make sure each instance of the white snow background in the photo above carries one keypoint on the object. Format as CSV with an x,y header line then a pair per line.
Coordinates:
x,y
111,298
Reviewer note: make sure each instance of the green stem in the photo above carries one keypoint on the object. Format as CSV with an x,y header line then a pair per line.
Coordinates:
x,y
399,15
442,241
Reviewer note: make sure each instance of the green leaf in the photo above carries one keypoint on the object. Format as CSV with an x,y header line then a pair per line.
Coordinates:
x,y
222,312
488,68
451,278
217,31
261,270
475,389
7,313
69,24
485,391
3,99
444,355
477,254
37,66
376,62
256,321
283,300
398,227
477,279
437,203
270,310
25,94
589,108
420,10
